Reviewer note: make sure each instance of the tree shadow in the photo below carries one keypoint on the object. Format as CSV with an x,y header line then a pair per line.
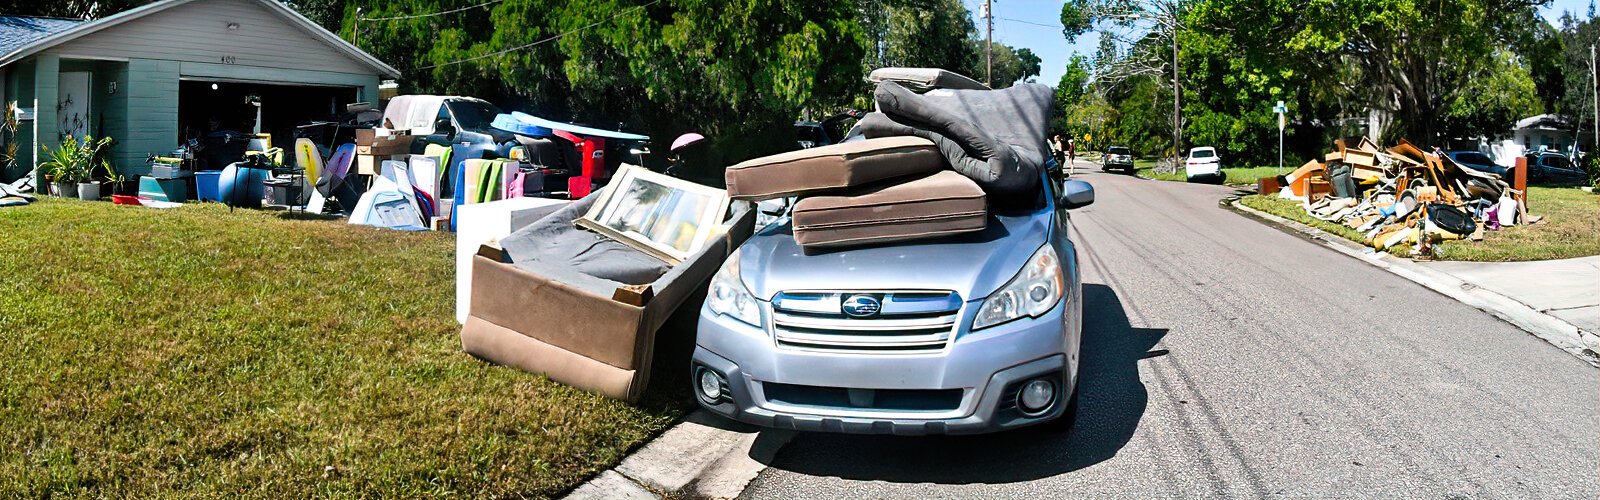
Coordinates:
x,y
1110,407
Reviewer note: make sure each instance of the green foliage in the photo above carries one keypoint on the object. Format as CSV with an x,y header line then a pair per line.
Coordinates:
x,y
76,161
1494,98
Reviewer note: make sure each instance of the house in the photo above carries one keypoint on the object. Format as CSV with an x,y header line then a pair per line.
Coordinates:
x,y
1552,132
158,75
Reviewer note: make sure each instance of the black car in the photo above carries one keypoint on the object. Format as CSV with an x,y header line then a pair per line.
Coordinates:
x,y
1117,157
1477,161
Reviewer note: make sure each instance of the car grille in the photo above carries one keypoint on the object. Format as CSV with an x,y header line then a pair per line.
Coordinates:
x,y
908,322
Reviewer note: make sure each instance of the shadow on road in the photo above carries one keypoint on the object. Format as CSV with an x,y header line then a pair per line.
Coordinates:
x,y
1111,404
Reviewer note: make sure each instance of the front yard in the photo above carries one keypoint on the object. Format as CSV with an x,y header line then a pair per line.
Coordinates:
x,y
1571,228
198,352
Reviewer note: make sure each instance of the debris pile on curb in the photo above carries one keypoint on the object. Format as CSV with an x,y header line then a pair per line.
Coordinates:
x,y
1402,195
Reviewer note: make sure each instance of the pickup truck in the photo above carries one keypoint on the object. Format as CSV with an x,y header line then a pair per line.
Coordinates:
x,y
966,334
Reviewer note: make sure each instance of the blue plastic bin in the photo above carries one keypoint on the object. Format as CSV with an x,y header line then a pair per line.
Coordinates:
x,y
205,185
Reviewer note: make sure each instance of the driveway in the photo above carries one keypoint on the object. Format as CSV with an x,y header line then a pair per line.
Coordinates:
x,y
1225,358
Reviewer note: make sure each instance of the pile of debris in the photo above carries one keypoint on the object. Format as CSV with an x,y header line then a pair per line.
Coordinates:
x,y
1402,195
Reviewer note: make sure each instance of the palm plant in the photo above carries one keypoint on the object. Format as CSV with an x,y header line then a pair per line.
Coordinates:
x,y
77,161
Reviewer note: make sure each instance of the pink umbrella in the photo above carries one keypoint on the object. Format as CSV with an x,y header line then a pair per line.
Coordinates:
x,y
686,140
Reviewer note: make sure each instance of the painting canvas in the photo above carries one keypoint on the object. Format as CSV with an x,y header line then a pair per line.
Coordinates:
x,y
663,216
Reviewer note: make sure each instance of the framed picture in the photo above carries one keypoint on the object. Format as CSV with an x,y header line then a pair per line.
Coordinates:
x,y
663,216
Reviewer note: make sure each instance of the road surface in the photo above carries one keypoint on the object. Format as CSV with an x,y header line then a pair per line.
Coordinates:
x,y
1225,358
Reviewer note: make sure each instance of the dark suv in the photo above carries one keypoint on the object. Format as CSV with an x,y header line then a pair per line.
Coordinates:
x,y
1117,157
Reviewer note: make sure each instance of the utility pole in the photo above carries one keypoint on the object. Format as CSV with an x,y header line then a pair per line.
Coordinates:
x,y
355,30
1594,88
988,46
1177,113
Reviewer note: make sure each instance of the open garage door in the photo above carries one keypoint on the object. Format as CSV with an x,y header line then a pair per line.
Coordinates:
x,y
206,107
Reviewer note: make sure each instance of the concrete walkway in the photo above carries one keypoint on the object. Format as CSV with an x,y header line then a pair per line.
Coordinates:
x,y
1568,289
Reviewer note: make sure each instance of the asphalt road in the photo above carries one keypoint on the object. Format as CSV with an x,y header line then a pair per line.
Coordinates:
x,y
1225,358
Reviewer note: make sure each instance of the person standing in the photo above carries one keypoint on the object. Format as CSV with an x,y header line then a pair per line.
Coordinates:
x,y
1072,155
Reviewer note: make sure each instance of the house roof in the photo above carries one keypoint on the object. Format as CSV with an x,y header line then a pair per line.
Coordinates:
x,y
1546,121
10,54
20,31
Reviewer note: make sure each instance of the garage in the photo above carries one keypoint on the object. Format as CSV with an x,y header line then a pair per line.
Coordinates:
x,y
157,76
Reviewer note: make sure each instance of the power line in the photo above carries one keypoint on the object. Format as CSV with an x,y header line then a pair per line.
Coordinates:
x,y
543,41
416,16
1043,25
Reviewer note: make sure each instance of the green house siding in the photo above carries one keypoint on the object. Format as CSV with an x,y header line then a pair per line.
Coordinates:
x,y
46,79
152,114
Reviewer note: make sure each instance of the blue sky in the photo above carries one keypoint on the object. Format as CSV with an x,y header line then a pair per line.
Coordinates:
x,y
1018,24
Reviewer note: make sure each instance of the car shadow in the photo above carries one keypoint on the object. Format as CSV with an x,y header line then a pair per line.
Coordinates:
x,y
1110,407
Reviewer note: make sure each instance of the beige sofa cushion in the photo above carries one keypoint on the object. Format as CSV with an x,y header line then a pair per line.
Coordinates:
x,y
940,204
835,166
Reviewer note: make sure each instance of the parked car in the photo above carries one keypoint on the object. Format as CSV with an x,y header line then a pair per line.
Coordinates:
x,y
966,334
462,121
1117,157
1554,168
1203,164
1477,161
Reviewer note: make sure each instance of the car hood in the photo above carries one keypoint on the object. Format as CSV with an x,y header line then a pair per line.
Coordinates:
x,y
973,264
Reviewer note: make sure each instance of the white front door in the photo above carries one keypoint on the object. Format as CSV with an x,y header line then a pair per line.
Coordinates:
x,y
72,104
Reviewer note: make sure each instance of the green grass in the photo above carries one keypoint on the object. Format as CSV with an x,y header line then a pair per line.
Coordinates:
x,y
200,353
1234,176
1571,228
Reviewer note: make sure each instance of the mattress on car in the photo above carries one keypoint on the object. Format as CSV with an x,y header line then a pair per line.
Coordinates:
x,y
835,166
925,79
941,204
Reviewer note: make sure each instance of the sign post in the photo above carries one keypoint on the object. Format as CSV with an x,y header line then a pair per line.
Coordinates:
x,y
1282,121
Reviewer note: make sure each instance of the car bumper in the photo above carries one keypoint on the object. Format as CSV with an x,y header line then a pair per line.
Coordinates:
x,y
985,366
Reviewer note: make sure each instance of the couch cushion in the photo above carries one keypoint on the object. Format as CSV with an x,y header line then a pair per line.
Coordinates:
x,y
940,204
835,166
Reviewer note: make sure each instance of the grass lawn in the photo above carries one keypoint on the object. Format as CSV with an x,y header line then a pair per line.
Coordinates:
x,y
1571,228
1234,176
197,352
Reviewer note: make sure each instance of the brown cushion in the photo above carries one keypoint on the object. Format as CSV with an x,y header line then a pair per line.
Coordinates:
x,y
835,166
940,204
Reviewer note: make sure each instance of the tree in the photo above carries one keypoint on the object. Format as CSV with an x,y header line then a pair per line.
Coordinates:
x,y
1070,93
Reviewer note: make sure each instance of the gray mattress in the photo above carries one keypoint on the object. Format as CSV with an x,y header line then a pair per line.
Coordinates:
x,y
553,246
994,137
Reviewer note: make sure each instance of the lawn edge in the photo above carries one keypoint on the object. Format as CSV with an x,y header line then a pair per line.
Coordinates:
x,y
1553,330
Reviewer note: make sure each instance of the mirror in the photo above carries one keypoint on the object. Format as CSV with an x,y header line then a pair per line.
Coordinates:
x,y
443,126
1076,194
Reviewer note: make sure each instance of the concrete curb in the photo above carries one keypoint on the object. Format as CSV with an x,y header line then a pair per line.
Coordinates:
x,y
705,456
1556,331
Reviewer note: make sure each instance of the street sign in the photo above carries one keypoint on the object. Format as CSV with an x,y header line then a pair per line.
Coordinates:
x,y
1283,121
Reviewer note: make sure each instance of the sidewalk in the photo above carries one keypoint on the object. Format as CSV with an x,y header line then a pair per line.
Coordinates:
x,y
1568,289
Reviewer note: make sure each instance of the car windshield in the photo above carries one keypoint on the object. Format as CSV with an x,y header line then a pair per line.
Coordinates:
x,y
1202,153
473,115
1474,158
1119,151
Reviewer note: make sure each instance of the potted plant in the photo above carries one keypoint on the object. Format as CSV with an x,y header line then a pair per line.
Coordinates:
x,y
72,166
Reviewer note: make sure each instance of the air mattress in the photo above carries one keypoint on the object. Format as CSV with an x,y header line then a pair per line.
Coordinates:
x,y
941,204
843,165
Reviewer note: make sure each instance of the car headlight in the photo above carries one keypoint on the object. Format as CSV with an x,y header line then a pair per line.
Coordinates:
x,y
728,295
1033,292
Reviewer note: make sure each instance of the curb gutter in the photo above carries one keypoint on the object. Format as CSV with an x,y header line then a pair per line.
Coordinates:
x,y
705,456
1556,331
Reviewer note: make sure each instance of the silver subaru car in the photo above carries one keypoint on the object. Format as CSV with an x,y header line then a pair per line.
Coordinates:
x,y
965,334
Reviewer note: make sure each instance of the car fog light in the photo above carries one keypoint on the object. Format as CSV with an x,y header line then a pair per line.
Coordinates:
x,y
710,385
1036,395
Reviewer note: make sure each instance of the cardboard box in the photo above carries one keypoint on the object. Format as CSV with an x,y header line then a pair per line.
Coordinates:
x,y
391,145
366,164
364,136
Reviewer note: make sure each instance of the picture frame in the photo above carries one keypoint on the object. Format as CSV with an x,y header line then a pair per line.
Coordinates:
x,y
666,217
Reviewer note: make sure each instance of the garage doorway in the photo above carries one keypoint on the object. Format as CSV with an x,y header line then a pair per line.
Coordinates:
x,y
209,106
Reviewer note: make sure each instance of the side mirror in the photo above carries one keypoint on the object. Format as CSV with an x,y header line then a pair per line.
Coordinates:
x,y
1076,194
443,126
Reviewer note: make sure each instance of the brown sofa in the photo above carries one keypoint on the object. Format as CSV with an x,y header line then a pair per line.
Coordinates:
x,y
587,332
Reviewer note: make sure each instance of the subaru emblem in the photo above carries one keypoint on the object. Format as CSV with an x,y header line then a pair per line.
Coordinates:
x,y
861,306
